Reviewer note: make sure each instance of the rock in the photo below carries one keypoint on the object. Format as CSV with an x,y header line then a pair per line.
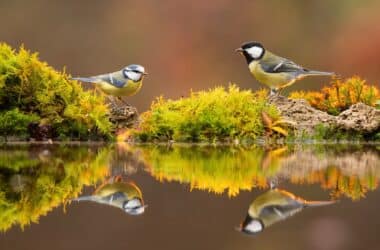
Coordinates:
x,y
360,117
123,115
40,132
300,111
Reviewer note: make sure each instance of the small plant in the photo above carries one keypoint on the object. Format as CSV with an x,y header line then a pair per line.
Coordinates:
x,y
34,89
207,116
279,125
340,95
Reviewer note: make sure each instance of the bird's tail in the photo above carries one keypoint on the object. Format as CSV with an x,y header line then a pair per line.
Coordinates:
x,y
319,73
85,79
319,203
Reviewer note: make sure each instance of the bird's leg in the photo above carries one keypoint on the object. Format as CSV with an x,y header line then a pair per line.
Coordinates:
x,y
273,183
274,92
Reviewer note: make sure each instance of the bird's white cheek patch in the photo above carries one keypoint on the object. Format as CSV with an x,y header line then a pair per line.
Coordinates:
x,y
254,226
133,203
133,75
255,52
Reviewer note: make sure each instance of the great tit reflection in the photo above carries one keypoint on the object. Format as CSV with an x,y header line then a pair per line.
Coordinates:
x,y
124,195
273,206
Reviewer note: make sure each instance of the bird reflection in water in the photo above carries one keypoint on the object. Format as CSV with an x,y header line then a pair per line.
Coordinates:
x,y
274,206
118,193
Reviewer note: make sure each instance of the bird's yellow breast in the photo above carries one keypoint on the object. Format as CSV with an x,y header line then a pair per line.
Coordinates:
x,y
129,89
272,80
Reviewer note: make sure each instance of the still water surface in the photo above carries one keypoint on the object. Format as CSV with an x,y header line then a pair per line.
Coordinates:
x,y
155,197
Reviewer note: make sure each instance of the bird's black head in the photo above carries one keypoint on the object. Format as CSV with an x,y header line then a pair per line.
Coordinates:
x,y
251,51
252,225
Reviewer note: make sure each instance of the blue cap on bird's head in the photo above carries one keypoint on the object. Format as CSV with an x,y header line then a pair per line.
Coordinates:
x,y
134,72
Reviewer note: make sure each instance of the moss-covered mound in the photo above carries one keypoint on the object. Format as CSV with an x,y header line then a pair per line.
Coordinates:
x,y
219,114
35,95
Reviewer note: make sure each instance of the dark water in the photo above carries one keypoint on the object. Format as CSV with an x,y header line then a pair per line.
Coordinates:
x,y
196,197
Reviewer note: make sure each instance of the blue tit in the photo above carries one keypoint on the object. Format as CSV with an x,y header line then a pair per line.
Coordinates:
x,y
124,195
273,206
125,82
271,70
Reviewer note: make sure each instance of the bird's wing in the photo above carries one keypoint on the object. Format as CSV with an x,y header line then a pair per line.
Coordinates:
x,y
276,64
281,211
115,79
112,79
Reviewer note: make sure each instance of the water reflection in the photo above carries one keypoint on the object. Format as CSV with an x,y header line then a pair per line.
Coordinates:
x,y
36,179
349,171
274,206
118,193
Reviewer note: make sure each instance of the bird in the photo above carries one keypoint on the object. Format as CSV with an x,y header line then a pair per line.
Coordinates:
x,y
274,206
274,71
124,195
125,82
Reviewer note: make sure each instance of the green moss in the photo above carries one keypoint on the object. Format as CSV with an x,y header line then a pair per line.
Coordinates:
x,y
325,133
14,122
37,90
207,116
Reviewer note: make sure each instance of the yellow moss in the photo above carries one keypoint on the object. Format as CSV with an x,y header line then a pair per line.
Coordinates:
x,y
34,88
216,115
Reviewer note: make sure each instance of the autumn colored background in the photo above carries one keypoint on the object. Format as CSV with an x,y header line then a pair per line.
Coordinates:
x,y
190,44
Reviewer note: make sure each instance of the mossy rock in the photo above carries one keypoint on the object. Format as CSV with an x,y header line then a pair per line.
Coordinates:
x,y
217,115
32,91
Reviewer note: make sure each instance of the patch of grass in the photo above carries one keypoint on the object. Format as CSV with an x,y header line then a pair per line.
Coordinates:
x,y
37,90
322,132
217,115
340,95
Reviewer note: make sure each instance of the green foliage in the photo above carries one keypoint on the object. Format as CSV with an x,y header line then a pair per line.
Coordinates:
x,y
14,122
322,132
33,181
340,95
207,116
36,89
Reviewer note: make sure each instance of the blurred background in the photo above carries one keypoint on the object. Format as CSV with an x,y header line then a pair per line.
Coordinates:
x,y
190,44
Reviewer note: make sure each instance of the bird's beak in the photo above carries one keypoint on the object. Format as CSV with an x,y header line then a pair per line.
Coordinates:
x,y
145,74
239,50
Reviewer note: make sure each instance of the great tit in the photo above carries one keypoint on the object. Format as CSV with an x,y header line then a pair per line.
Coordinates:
x,y
273,206
274,71
125,82
124,195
